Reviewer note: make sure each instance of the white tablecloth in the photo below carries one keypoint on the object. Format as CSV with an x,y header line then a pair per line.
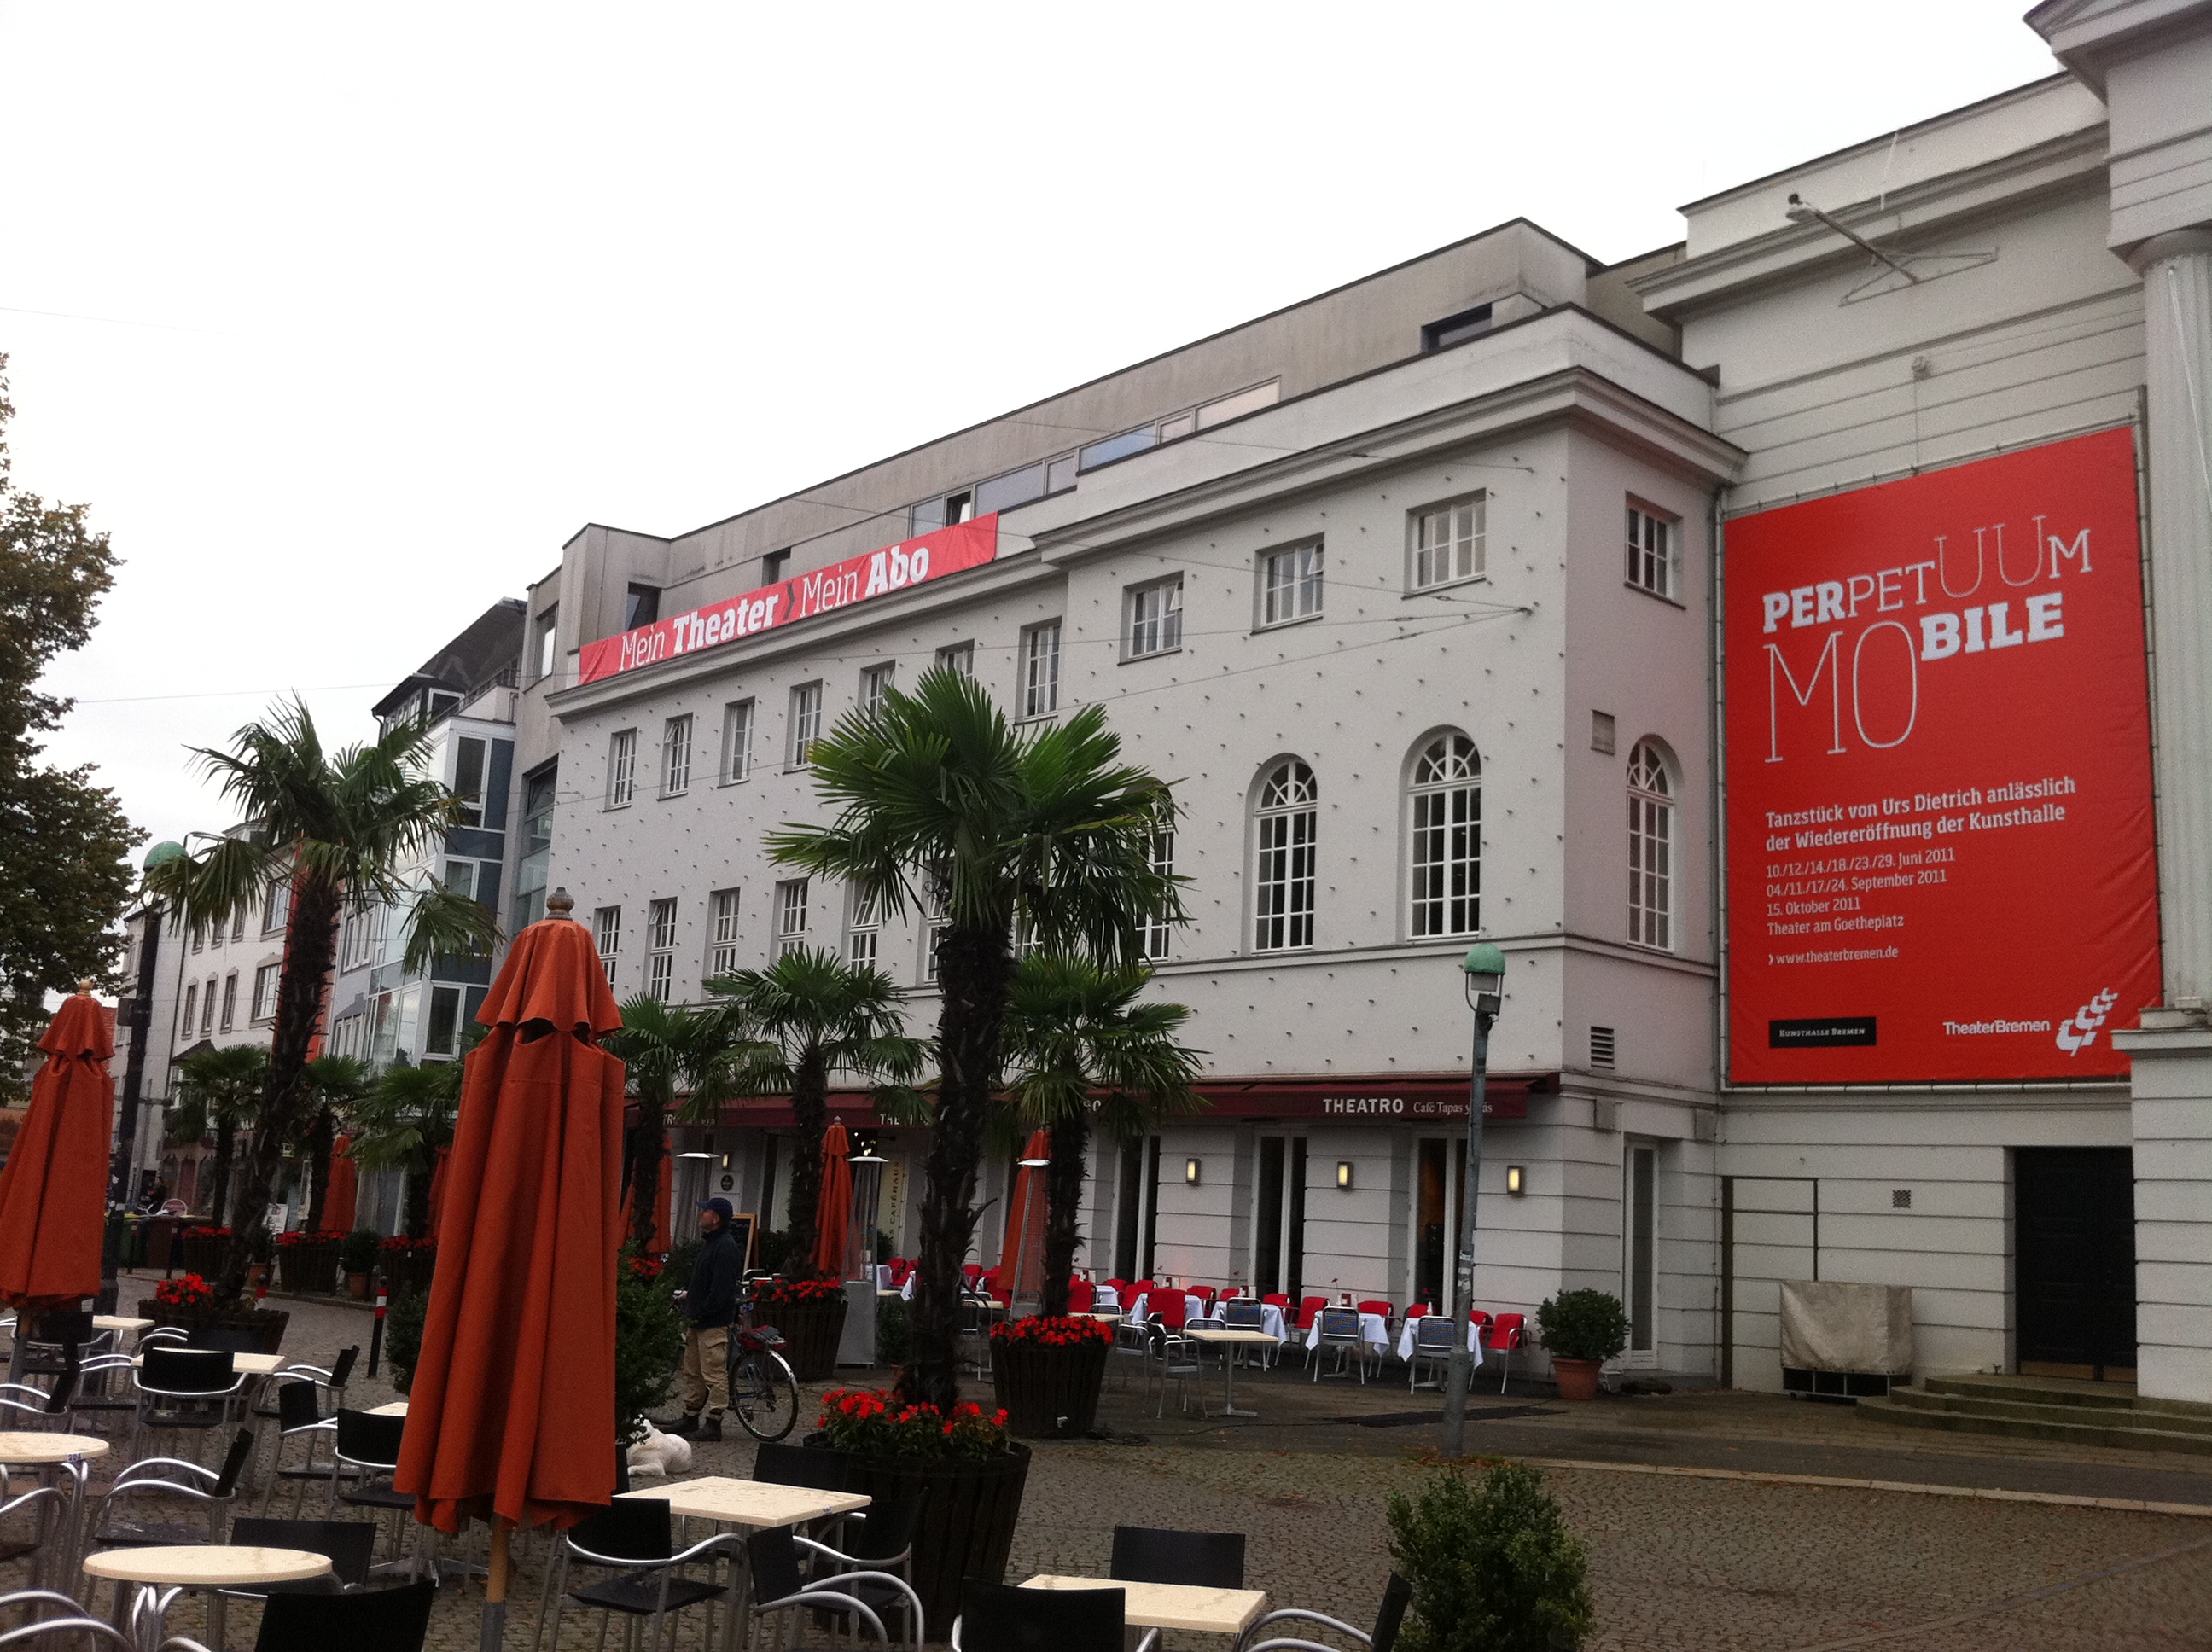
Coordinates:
x,y
1106,1299
1373,1331
1473,1340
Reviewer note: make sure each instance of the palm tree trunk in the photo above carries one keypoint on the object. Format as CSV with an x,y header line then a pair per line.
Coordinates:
x,y
417,1201
975,970
310,944
645,1166
320,1141
219,1200
809,1107
1063,1206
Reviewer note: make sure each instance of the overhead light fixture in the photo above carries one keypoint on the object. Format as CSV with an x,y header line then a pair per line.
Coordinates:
x,y
1033,1164
1190,1173
867,1158
1803,212
1344,1175
695,1155
1513,1183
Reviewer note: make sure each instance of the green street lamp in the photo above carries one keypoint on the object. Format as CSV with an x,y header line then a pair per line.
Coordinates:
x,y
1484,969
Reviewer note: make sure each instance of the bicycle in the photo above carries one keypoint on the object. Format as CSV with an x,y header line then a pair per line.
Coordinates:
x,y
763,1394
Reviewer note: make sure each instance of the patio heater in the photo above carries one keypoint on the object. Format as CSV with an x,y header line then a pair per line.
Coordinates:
x,y
1484,967
867,1168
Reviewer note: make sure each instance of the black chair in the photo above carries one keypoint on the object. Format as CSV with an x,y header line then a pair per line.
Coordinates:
x,y
883,1544
1155,1554
631,1537
359,1620
369,1447
149,1479
189,1388
351,1545
54,1339
1397,1595
227,1338
1002,1617
791,1464
779,1586
73,1632
299,1416
39,1404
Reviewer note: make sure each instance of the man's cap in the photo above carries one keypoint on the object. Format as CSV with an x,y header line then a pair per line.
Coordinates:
x,y
719,1206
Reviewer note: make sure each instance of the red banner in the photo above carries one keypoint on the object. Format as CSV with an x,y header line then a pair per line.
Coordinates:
x,y
871,574
1941,863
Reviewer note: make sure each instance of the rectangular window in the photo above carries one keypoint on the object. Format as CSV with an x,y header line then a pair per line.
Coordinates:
x,y
961,656
773,565
1155,617
661,950
1237,405
536,848
1456,329
443,1035
199,937
1284,907
676,756
207,1008
1651,552
215,934
1156,936
229,1000
191,1009
266,980
641,606
736,741
549,642
722,933
875,683
1448,542
933,931
959,508
790,916
606,930
806,724
461,878
1040,670
277,908
862,925
1290,585
469,778
621,769
238,927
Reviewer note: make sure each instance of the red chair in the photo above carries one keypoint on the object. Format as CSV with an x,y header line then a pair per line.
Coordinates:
x,y
1167,1308
1308,1307
1204,1293
1505,1334
971,1271
1276,1299
1081,1293
1419,1310
1121,1287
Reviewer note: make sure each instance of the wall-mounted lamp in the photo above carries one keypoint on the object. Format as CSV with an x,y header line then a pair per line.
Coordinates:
x,y
1190,1173
725,1161
1344,1175
1513,1181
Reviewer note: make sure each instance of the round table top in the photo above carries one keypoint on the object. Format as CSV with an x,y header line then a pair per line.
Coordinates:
x,y
21,1448
207,1565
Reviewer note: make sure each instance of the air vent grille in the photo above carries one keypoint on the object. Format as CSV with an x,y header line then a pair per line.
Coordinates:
x,y
1901,1199
1601,1048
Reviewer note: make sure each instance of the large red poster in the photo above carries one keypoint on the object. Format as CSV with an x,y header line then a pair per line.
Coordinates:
x,y
1940,835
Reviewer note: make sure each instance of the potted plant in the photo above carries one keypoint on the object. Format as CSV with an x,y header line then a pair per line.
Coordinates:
x,y
1580,1329
967,1473
308,1262
810,1313
357,1258
189,1302
407,1264
1047,1371
649,1342
1492,1567
203,1246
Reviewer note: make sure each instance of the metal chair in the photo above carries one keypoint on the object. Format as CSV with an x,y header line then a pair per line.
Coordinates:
x,y
1157,1554
354,1620
884,1543
1397,1595
631,1537
185,1388
299,1416
76,1631
351,1545
1508,1332
1132,1340
150,1478
1432,1345
777,1464
1244,1315
367,1446
1340,1329
1168,1355
46,1504
37,1407
1003,1617
778,1585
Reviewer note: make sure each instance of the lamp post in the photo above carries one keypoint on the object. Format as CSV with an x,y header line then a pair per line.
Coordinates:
x,y
1484,967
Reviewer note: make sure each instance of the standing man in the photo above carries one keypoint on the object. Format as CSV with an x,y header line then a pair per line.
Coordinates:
x,y
710,1308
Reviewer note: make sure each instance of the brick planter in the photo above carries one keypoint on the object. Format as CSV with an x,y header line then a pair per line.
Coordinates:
x,y
811,1334
1047,1393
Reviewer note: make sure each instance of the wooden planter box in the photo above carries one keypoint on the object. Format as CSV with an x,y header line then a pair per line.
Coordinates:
x,y
1048,1393
203,1256
408,1270
307,1268
811,1334
267,1324
969,1510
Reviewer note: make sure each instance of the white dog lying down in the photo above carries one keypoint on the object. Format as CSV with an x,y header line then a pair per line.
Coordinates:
x,y
660,1454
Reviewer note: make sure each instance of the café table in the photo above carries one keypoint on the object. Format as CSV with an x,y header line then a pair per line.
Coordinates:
x,y
163,1573
1227,1340
757,1504
1374,1332
68,1453
1172,1605
390,1408
240,1364
1412,1329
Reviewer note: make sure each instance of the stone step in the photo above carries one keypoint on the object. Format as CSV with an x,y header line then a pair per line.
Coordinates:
x,y
2023,1407
2060,1391
1997,1417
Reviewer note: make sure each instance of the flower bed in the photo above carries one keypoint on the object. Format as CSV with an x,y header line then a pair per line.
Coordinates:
x,y
871,1423
1047,1373
308,1261
810,1313
190,1291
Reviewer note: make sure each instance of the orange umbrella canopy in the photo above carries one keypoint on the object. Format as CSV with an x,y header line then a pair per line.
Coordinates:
x,y
511,1411
54,1192
345,1191
1022,1263
835,1213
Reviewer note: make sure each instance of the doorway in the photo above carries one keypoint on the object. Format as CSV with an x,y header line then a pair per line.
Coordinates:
x,y
1278,1243
1639,1253
1770,1232
2073,1262
1439,1218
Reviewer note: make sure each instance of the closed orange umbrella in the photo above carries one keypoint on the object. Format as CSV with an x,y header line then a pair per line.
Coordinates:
x,y
344,1190
833,1215
1023,1256
437,1195
511,1416
54,1192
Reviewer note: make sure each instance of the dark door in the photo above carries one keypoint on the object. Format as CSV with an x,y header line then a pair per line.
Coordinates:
x,y
2074,1245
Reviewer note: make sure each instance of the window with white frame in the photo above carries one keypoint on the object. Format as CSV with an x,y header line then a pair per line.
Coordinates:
x,y
442,1034
1040,670
790,915
660,949
548,634
214,936
207,1008
238,927
191,1010
277,906
722,933
1290,585
1448,542
806,724
961,656
933,927
1155,625
606,930
1286,817
1650,847
1651,551
461,878
229,1001
1445,855
875,683
864,922
736,741
266,980
676,756
1027,938
357,943
469,753
621,769
1154,935
199,937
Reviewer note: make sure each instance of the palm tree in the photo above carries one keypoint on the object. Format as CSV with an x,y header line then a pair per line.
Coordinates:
x,y
941,801
1085,1047
403,1123
337,829
806,1016
334,1083
218,1092
668,1049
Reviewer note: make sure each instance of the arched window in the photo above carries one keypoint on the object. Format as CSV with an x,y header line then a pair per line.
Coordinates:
x,y
1446,855
1650,847
1283,820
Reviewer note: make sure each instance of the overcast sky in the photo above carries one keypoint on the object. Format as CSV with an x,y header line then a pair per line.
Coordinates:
x,y
344,319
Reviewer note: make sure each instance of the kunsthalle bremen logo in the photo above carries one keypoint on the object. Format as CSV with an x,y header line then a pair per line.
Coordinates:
x,y
2078,1033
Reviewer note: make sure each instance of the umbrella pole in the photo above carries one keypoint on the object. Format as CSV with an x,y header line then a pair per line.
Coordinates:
x,y
495,1611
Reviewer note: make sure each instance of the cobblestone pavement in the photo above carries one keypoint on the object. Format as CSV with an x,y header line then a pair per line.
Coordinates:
x,y
1675,1561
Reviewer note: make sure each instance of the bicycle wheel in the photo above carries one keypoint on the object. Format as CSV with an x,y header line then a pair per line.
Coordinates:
x,y
764,1394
